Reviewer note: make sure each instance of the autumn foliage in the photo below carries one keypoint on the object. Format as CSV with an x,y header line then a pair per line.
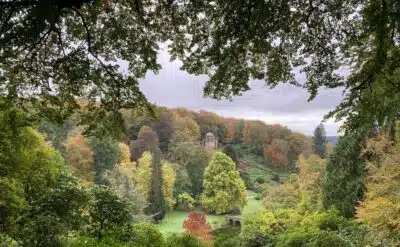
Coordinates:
x,y
277,151
79,156
381,206
230,124
196,223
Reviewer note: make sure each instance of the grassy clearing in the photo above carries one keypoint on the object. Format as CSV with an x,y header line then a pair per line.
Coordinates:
x,y
253,205
173,221
257,167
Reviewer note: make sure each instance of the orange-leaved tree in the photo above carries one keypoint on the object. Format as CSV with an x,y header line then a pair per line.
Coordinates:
x,y
196,223
277,151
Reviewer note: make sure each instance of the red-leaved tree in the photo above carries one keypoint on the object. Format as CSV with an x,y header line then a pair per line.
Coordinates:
x,y
196,223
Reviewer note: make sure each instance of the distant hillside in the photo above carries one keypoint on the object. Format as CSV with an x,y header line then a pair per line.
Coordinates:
x,y
332,139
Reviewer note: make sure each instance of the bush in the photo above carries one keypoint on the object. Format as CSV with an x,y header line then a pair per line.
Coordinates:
x,y
145,234
139,235
256,230
186,202
260,180
259,189
231,152
108,210
330,220
276,178
259,240
329,239
7,241
240,150
226,241
236,211
297,237
183,240
84,241
247,180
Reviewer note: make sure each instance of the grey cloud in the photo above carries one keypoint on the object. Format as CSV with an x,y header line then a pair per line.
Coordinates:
x,y
284,104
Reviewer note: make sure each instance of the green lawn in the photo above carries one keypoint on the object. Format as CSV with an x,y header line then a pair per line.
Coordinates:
x,y
173,221
253,205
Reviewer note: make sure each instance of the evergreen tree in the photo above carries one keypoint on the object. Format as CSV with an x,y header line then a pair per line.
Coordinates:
x,y
224,190
157,205
344,177
238,137
106,155
320,140
231,152
57,133
164,128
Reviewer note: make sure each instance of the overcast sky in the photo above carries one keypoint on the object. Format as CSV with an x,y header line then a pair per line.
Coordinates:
x,y
285,104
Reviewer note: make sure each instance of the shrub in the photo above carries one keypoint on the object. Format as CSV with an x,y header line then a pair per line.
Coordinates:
x,y
7,241
256,230
297,237
183,240
329,239
145,234
246,179
260,180
231,152
226,241
186,201
276,178
236,211
258,197
297,228
330,220
259,190
108,210
259,240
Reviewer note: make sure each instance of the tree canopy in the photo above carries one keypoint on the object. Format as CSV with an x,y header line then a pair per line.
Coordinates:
x,y
224,190
73,48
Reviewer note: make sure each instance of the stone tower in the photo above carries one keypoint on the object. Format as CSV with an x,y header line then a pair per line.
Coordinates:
x,y
210,141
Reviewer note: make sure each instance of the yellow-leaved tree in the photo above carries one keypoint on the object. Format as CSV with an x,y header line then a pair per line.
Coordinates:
x,y
301,190
79,157
126,166
224,190
381,207
143,175
168,183
186,128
